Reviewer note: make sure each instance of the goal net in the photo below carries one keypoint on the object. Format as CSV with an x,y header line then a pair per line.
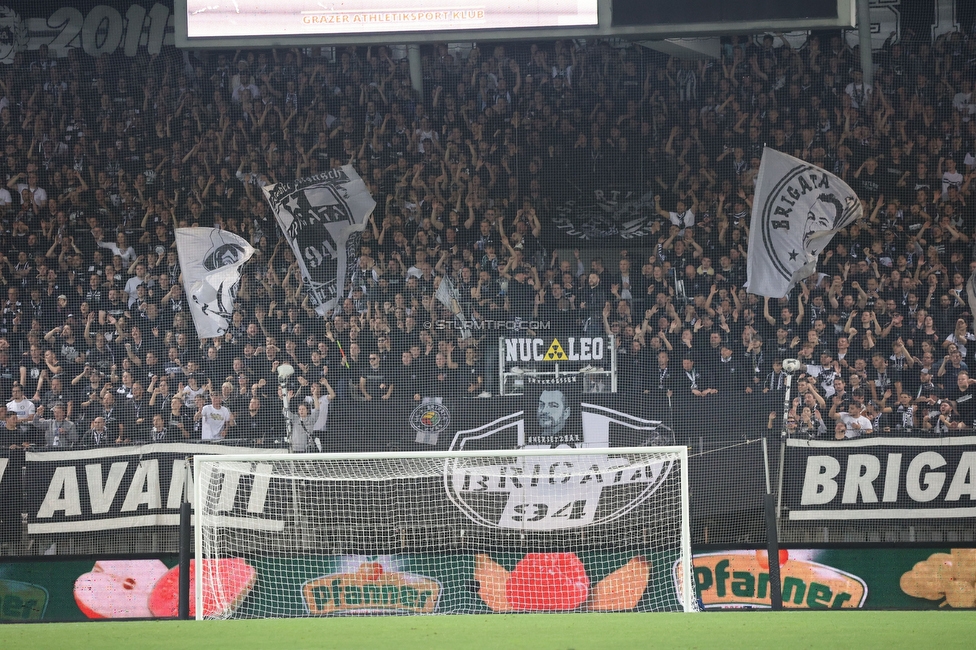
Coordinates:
x,y
533,530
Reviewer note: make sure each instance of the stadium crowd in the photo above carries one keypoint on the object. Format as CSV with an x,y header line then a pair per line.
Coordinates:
x,y
104,156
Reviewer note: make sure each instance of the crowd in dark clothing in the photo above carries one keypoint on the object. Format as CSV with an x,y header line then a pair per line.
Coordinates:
x,y
105,156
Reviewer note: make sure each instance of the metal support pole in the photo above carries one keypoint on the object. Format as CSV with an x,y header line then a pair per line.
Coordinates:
x,y
185,549
864,39
416,69
613,363
772,512
501,366
782,450
772,540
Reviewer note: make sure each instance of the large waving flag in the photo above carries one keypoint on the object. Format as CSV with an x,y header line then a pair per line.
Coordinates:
x,y
448,295
323,217
797,209
211,262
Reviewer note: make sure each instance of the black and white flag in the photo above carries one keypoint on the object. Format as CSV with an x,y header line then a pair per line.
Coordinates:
x,y
211,261
797,209
323,217
448,295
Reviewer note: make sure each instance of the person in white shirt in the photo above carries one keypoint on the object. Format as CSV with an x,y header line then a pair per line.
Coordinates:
x,y
855,424
858,91
963,101
215,418
23,407
950,177
38,195
683,216
119,247
5,198
132,284
321,402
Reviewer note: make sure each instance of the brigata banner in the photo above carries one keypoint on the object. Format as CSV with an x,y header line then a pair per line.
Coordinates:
x,y
880,478
109,488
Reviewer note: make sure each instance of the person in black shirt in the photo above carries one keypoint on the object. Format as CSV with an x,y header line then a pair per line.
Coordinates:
x,y
159,432
255,425
962,393
594,297
441,379
470,378
375,382
408,382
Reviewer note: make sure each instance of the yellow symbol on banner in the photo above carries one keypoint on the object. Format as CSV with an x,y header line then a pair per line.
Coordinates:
x,y
555,352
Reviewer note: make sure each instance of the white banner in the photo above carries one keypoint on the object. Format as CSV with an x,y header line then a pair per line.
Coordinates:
x,y
797,209
211,261
322,218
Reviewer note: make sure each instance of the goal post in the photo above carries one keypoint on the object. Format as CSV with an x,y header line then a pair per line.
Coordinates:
x,y
527,530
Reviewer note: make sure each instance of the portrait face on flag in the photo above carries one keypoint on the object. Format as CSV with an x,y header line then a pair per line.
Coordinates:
x,y
211,261
556,421
798,208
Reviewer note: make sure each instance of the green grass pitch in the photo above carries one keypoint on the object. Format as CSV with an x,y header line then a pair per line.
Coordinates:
x,y
724,630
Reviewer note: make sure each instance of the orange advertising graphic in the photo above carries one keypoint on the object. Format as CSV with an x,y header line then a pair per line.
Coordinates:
x,y
949,576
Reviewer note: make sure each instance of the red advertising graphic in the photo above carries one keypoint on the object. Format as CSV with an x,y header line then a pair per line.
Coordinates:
x,y
553,582
234,576
118,588
147,589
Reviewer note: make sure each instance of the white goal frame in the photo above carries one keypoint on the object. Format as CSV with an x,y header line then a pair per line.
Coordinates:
x,y
687,593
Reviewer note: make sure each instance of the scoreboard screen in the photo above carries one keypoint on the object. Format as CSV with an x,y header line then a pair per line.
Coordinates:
x,y
207,19
302,23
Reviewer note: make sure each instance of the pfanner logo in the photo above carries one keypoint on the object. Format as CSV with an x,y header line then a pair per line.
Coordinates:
x,y
740,580
371,590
